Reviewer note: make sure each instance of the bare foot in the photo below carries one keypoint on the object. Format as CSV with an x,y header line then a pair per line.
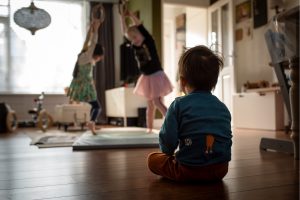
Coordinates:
x,y
149,130
91,126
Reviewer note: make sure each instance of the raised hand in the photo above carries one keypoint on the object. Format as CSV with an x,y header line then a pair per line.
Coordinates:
x,y
98,13
123,7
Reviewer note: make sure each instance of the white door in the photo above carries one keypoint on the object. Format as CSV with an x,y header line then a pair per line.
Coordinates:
x,y
220,39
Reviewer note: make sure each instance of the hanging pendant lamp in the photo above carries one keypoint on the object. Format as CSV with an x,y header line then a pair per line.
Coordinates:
x,y
32,18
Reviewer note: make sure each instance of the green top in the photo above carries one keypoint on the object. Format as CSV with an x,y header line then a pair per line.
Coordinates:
x,y
82,87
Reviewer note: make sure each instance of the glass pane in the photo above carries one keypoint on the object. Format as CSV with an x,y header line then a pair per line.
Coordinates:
x,y
214,30
4,11
225,36
3,2
3,56
45,61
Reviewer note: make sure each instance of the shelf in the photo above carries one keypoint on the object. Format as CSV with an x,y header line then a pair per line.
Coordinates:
x,y
264,90
289,14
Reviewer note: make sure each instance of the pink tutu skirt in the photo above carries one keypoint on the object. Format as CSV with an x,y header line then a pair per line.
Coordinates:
x,y
153,86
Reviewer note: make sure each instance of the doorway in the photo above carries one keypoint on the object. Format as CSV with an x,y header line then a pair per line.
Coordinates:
x,y
220,39
183,27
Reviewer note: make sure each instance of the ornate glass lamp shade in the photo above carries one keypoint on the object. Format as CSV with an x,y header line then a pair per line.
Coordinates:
x,y
32,18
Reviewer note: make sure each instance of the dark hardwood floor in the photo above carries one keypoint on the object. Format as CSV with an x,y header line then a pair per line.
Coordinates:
x,y
27,172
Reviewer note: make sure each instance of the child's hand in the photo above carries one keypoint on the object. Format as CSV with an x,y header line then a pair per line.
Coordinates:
x,y
130,13
98,13
95,11
123,7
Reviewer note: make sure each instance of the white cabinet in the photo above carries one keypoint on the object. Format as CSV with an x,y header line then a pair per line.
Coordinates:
x,y
121,102
259,110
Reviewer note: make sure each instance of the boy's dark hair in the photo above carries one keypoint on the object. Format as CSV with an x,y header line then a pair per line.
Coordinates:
x,y
99,50
200,67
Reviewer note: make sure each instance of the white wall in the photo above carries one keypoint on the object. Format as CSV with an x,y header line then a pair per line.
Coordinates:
x,y
169,47
196,26
252,56
21,103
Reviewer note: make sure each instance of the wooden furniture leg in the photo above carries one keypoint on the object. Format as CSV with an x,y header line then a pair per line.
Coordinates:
x,y
294,100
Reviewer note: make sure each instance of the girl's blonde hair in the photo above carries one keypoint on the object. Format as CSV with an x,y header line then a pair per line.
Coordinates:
x,y
132,29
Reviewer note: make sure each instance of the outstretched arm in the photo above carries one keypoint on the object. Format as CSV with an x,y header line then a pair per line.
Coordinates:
x,y
138,23
123,23
134,18
89,35
91,39
89,46
87,39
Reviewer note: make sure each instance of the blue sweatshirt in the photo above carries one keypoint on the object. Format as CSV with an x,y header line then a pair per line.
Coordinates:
x,y
188,122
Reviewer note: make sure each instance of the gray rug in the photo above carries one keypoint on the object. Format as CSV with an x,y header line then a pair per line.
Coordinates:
x,y
53,138
111,138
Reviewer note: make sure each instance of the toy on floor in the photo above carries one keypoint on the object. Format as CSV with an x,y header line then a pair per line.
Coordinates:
x,y
8,119
11,120
40,117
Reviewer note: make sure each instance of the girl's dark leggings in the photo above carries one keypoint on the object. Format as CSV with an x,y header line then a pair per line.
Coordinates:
x,y
96,109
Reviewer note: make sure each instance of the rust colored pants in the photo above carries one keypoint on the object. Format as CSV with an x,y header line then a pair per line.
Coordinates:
x,y
166,166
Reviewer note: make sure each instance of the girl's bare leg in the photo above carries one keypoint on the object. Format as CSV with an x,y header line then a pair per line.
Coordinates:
x,y
150,115
160,105
91,126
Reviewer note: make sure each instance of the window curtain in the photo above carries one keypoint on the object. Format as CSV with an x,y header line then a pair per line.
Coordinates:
x,y
104,71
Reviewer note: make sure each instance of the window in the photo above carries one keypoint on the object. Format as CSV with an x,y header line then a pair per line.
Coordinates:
x,y
3,2
4,8
44,61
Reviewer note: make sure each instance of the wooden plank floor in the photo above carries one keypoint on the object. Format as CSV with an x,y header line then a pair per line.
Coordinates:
x,y
27,172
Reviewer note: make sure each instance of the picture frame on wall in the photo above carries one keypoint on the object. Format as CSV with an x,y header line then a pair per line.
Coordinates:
x,y
181,22
181,33
243,11
260,13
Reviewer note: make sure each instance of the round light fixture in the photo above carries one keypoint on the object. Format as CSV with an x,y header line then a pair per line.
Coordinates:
x,y
32,18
